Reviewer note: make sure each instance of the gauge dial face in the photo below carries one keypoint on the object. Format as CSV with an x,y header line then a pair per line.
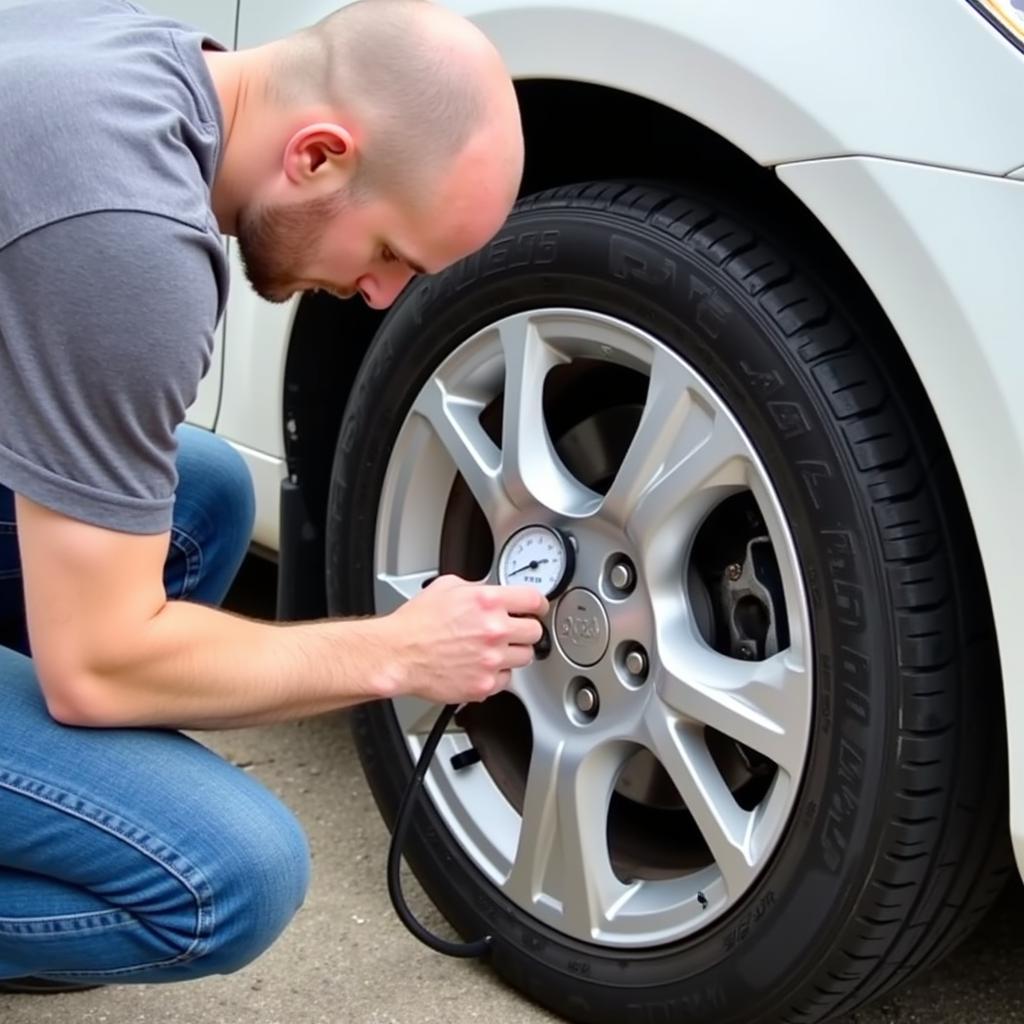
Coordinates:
x,y
537,556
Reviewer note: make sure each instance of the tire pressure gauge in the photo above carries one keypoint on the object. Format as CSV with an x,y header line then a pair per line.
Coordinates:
x,y
538,556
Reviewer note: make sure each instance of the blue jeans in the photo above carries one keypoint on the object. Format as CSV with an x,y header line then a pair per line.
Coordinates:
x,y
137,855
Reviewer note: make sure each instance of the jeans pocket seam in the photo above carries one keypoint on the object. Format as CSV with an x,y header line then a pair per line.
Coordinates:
x,y
62,924
134,836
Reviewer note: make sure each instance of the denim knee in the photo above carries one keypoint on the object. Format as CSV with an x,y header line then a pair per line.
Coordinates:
x,y
259,881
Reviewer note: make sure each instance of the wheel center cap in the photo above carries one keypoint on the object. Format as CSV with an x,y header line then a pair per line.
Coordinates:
x,y
581,627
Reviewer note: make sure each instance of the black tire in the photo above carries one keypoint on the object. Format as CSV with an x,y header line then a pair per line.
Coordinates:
x,y
898,843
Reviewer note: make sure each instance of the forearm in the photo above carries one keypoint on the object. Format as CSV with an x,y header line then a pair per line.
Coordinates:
x,y
199,668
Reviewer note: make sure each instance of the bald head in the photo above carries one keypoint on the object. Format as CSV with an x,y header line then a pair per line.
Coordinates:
x,y
417,81
382,142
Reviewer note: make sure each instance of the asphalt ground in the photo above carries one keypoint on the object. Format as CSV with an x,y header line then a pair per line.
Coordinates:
x,y
346,959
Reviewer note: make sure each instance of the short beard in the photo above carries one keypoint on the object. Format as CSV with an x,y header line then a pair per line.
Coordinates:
x,y
275,241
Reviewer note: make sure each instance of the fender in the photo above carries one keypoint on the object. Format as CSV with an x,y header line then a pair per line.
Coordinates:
x,y
784,81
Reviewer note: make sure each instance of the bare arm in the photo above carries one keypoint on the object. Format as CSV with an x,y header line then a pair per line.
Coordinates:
x,y
110,650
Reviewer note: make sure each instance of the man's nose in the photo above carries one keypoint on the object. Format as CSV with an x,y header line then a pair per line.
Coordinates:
x,y
380,291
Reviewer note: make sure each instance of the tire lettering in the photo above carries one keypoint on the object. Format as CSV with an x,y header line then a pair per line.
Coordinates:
x,y
712,310
511,251
809,811
789,418
838,549
850,603
842,811
548,248
813,474
849,595
485,908
764,382
696,1005
761,908
497,256
813,588
826,687
630,260
752,917
507,252
854,674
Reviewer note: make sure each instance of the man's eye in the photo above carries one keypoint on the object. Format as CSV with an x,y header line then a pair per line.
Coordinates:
x,y
387,255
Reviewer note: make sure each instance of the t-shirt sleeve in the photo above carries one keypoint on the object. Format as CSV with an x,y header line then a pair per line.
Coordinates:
x,y
106,329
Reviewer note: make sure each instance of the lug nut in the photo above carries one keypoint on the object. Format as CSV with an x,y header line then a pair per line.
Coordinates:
x,y
636,663
586,700
622,576
734,571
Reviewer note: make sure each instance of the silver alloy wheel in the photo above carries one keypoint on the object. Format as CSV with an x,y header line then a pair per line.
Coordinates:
x,y
687,456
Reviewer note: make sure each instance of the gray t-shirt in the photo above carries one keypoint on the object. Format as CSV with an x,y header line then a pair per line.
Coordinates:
x,y
112,272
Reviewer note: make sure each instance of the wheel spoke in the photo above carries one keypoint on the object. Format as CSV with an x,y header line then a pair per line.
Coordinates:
x,y
392,591
712,722
563,845
416,716
726,827
456,422
531,470
761,704
682,456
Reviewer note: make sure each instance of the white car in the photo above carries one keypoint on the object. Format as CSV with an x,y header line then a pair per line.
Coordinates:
x,y
749,352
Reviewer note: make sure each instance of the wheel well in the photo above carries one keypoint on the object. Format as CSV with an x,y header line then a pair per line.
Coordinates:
x,y
574,132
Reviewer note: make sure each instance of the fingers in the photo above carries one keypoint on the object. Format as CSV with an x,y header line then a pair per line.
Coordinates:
x,y
472,636
516,600
502,681
518,657
520,600
524,631
487,688
445,582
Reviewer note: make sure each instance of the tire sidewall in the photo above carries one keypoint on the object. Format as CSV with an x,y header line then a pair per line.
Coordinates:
x,y
603,262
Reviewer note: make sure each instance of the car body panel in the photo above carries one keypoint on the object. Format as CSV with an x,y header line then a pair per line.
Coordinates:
x,y
251,407
784,81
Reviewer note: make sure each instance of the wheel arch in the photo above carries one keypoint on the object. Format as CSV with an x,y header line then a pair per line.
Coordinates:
x,y
566,131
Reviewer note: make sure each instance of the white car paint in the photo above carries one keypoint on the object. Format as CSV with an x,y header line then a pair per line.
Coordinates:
x,y
897,122
785,80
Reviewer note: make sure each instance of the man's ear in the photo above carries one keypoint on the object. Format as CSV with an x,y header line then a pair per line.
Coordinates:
x,y
319,152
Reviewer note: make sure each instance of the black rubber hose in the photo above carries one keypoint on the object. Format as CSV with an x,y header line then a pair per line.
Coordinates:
x,y
402,822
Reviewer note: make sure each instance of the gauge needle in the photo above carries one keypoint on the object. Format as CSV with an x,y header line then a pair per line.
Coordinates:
x,y
529,565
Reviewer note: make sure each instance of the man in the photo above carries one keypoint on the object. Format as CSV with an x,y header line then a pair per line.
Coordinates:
x,y
383,142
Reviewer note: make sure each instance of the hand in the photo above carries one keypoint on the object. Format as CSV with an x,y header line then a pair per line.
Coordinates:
x,y
458,642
